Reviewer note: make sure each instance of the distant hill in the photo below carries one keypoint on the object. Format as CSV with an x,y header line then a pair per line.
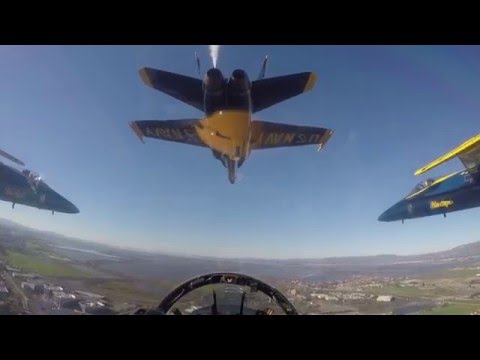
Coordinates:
x,y
467,250
471,250
462,251
136,263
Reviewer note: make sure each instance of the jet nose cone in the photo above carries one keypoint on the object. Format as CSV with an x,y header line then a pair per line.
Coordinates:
x,y
394,213
57,203
383,216
67,207
73,209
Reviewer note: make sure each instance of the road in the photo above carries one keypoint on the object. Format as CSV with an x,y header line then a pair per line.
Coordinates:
x,y
17,292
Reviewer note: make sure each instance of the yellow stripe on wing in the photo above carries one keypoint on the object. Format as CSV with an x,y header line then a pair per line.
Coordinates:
x,y
436,182
137,130
328,134
312,79
467,145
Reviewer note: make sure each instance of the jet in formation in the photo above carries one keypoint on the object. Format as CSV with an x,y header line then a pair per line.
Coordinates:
x,y
28,188
459,190
228,127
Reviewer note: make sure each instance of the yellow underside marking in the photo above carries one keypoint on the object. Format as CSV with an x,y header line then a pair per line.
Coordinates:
x,y
467,145
226,130
438,181
312,79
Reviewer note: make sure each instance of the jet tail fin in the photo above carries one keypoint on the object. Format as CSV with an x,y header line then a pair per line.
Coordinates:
x,y
197,59
183,88
264,69
271,91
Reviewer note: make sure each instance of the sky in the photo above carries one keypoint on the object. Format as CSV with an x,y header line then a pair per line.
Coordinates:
x,y
65,112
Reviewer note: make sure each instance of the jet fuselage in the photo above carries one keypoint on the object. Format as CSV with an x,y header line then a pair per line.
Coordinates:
x,y
458,191
227,127
228,116
19,188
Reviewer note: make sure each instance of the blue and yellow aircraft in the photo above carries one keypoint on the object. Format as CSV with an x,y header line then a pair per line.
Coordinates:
x,y
227,127
456,191
28,188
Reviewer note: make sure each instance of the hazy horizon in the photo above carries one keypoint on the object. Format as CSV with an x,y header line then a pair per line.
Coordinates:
x,y
180,254
66,110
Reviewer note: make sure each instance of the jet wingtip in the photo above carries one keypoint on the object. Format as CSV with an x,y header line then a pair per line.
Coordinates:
x,y
312,79
133,125
144,75
420,171
325,139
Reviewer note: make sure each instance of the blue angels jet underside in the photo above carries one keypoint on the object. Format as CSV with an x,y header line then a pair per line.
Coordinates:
x,y
227,127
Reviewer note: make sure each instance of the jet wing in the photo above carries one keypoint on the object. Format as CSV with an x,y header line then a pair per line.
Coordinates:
x,y
11,158
181,131
266,135
271,91
184,88
468,153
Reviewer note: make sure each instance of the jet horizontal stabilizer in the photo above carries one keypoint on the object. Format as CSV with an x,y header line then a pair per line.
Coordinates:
x,y
184,88
266,135
181,131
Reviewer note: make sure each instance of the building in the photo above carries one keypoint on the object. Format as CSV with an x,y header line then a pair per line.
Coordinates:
x,y
11,269
355,296
49,287
95,308
89,295
72,304
24,275
326,297
26,285
385,298
59,297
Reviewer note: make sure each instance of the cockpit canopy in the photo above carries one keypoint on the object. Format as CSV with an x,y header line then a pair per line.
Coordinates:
x,y
423,184
33,178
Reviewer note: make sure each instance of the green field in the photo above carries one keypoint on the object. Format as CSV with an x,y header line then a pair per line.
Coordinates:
x,y
457,308
452,274
123,291
412,291
396,290
40,266
457,274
